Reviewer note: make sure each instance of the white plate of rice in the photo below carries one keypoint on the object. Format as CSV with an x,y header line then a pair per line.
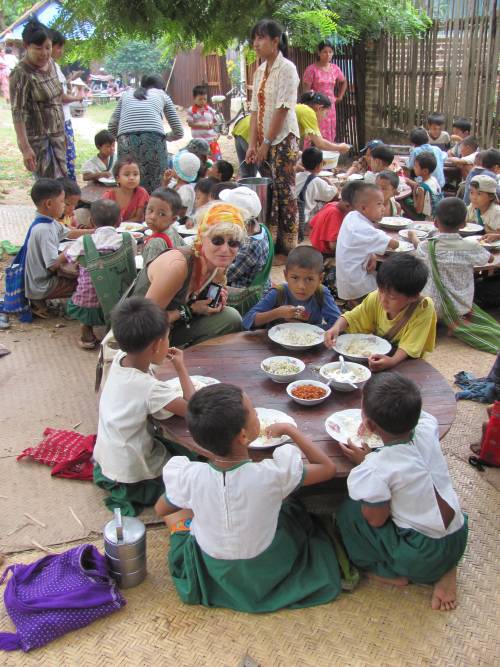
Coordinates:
x,y
394,222
361,346
199,381
296,335
344,425
268,416
404,246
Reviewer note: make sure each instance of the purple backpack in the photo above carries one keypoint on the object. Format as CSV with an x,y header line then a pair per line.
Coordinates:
x,y
57,594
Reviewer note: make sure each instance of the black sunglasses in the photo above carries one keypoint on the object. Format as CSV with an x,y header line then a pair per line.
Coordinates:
x,y
220,240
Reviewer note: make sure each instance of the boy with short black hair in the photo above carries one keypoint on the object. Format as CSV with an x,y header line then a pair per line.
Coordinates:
x,y
455,258
468,152
426,191
396,311
420,140
358,242
101,166
161,212
437,136
42,280
301,298
221,171
402,521
128,460
72,194
461,129
381,158
388,182
311,189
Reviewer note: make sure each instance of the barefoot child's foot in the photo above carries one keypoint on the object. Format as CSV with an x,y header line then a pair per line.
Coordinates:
x,y
444,595
397,581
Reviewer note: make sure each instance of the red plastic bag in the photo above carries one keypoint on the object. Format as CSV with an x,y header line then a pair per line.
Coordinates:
x,y
489,454
68,453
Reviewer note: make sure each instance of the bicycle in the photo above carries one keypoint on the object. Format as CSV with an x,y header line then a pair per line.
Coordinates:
x,y
222,126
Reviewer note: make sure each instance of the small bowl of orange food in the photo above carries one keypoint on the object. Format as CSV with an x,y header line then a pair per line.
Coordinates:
x,y
308,392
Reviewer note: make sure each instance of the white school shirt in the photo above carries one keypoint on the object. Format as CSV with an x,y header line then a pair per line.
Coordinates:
x,y
124,449
235,511
406,475
188,196
95,165
356,241
317,193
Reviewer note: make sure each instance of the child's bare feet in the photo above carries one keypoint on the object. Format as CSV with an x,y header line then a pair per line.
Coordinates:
x,y
444,595
397,581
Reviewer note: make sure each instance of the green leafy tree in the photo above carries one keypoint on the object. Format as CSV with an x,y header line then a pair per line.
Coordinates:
x,y
179,25
133,58
10,10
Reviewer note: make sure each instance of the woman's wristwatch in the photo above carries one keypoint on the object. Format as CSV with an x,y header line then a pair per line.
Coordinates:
x,y
186,315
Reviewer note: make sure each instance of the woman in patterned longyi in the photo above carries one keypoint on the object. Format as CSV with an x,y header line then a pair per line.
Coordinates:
x,y
274,131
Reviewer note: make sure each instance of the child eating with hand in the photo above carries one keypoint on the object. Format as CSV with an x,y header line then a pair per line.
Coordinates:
x,y
388,182
129,195
72,195
128,460
402,522
161,213
236,541
301,298
101,165
357,242
395,311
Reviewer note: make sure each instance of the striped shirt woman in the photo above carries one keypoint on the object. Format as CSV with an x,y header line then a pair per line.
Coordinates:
x,y
137,122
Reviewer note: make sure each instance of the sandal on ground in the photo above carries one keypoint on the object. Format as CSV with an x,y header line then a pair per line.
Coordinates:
x,y
40,311
88,344
475,447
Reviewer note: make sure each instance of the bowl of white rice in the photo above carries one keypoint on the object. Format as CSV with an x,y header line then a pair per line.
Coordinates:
x,y
356,373
282,369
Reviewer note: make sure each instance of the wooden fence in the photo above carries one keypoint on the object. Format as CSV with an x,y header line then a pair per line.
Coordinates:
x,y
453,69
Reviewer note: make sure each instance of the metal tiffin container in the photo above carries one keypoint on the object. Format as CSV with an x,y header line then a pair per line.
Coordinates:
x,y
125,549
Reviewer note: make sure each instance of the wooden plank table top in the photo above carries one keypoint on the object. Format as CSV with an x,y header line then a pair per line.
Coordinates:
x,y
236,359
93,192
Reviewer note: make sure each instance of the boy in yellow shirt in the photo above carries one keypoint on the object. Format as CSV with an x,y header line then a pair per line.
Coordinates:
x,y
395,311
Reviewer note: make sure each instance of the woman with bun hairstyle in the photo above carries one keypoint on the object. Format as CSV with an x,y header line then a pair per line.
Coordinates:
x,y
36,102
323,77
274,131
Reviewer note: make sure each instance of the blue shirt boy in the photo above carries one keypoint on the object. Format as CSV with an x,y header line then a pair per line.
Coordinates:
x,y
323,314
438,172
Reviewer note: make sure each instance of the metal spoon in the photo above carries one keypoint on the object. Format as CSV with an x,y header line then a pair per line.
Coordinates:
x,y
344,371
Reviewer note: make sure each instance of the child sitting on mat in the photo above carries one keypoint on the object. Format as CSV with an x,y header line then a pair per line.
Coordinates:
x,y
395,311
388,182
455,258
357,242
128,460
301,298
402,522
84,304
235,540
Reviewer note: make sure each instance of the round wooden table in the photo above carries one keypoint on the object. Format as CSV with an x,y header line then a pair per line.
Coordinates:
x,y
236,359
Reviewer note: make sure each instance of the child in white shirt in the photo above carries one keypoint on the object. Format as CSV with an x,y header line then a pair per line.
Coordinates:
x,y
402,522
128,460
312,191
358,242
235,540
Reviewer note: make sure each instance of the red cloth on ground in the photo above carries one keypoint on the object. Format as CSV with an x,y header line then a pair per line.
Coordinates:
x,y
325,226
139,200
68,453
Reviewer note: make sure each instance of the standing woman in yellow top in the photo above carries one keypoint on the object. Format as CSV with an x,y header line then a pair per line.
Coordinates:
x,y
274,131
311,110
